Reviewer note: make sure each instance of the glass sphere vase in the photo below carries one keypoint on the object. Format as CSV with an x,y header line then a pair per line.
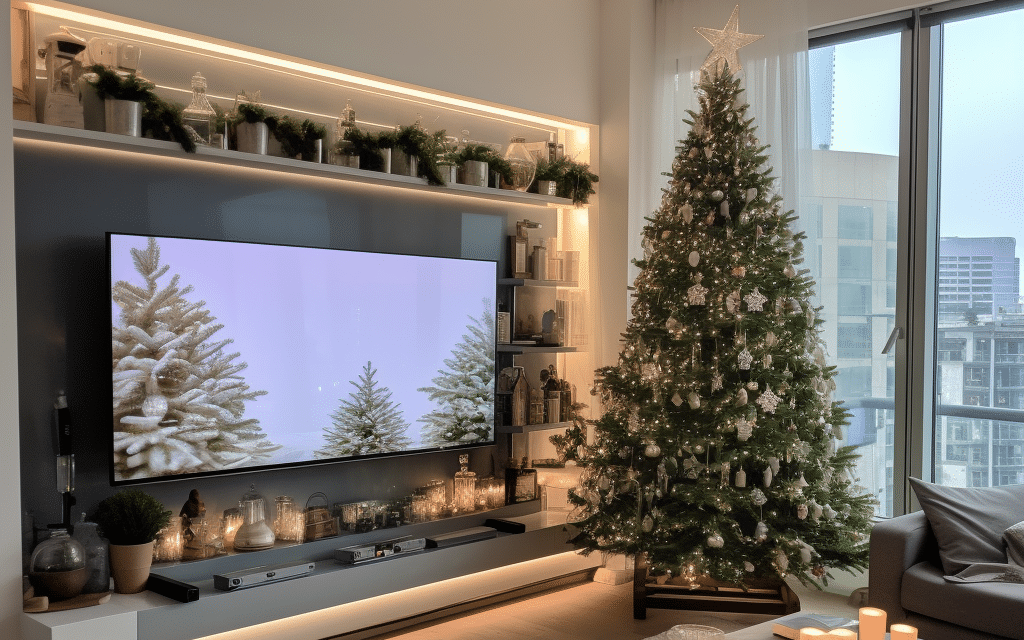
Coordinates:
x,y
524,167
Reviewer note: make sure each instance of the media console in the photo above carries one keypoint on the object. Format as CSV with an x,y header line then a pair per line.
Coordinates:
x,y
334,598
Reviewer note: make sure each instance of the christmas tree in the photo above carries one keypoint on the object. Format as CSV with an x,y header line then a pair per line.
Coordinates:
x,y
464,390
715,456
179,399
369,422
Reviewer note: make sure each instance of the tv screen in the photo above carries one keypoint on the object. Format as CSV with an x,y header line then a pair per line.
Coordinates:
x,y
235,356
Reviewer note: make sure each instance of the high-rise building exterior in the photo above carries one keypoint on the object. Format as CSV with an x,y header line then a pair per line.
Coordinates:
x,y
977,276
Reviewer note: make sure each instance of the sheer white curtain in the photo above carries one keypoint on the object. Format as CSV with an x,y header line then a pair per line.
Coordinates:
x,y
774,76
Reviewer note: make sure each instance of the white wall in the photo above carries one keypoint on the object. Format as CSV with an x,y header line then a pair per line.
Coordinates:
x,y
533,54
822,13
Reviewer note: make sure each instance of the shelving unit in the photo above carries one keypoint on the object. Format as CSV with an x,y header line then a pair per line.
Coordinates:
x,y
532,428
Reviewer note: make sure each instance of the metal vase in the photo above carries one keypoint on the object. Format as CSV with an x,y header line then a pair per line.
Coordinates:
x,y
386,155
473,172
449,173
547,187
403,164
252,137
123,117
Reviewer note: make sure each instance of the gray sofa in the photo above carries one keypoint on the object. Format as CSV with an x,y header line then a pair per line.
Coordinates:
x,y
905,579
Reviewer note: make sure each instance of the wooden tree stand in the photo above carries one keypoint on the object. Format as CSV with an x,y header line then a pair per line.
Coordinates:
x,y
771,598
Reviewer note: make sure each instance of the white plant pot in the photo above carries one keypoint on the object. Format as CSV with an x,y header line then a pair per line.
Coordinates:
x,y
252,138
123,117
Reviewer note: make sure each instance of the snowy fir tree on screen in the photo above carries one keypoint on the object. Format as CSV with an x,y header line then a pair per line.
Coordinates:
x,y
368,422
179,398
715,455
463,392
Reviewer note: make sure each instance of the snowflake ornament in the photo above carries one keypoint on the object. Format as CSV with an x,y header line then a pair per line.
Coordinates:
x,y
755,300
717,381
768,400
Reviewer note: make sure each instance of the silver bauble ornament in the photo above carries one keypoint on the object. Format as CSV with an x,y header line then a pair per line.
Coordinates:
x,y
154,406
716,541
647,524
717,195
652,450
761,532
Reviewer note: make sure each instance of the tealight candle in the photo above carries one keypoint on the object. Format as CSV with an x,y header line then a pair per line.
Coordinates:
x,y
872,623
842,634
807,633
902,632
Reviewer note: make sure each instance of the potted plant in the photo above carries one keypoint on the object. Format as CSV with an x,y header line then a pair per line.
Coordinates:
x,y
548,175
298,139
576,182
131,108
130,520
476,160
415,154
252,129
374,150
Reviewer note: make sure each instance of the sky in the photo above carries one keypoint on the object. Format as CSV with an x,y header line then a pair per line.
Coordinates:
x,y
982,139
307,321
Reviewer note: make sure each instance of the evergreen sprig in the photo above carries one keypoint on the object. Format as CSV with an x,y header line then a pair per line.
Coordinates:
x,y
576,182
160,119
483,153
367,146
414,141
551,170
131,517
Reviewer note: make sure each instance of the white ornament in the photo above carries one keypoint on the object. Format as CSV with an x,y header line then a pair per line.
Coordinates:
x,y
708,152
748,566
717,382
760,531
724,473
732,302
770,339
816,512
677,399
604,483
744,430
751,194
757,497
695,294
634,420
694,259
800,483
674,327
789,271
741,478
716,541
773,464
652,450
723,209
686,211
717,195
745,359
741,397
768,401
767,480
781,561
806,554
801,511
829,512
154,406
647,524
726,43
755,300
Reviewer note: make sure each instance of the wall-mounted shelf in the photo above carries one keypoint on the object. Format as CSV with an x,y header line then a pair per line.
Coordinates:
x,y
529,282
531,428
160,148
534,348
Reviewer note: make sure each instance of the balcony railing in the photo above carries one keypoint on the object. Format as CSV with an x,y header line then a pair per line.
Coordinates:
x,y
950,410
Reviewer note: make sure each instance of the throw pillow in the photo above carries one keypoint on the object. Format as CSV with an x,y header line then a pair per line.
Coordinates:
x,y
968,523
1013,538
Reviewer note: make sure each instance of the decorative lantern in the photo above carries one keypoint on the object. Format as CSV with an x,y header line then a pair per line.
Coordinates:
x,y
63,68
254,534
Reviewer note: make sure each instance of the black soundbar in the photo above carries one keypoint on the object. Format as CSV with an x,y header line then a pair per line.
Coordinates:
x,y
505,526
173,589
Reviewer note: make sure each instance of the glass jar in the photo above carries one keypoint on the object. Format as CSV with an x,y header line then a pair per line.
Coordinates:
x,y
284,518
254,534
96,556
58,565
524,167
464,487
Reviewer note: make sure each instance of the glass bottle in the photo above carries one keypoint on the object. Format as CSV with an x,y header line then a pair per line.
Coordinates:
x,y
465,487
523,165
96,556
284,520
199,114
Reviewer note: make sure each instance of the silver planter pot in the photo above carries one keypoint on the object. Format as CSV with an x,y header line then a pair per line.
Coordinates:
x,y
473,172
449,173
402,164
318,151
547,187
252,137
123,117
386,155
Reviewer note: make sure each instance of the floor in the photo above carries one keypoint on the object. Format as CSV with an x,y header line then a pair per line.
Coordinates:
x,y
593,611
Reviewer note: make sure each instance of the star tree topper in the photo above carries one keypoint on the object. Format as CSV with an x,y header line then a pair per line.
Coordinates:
x,y
726,43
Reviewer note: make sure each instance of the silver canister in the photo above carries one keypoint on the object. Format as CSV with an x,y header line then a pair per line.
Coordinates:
x,y
252,137
473,172
123,117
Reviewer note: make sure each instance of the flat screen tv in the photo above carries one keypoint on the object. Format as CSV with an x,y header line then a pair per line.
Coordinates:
x,y
237,356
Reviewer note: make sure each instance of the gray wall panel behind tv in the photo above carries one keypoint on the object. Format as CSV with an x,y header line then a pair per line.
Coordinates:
x,y
67,197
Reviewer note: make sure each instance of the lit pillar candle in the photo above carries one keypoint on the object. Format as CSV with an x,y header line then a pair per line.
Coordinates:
x,y
872,624
808,633
842,634
902,632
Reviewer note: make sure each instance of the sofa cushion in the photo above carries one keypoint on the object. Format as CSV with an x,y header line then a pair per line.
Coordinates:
x,y
968,523
991,607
